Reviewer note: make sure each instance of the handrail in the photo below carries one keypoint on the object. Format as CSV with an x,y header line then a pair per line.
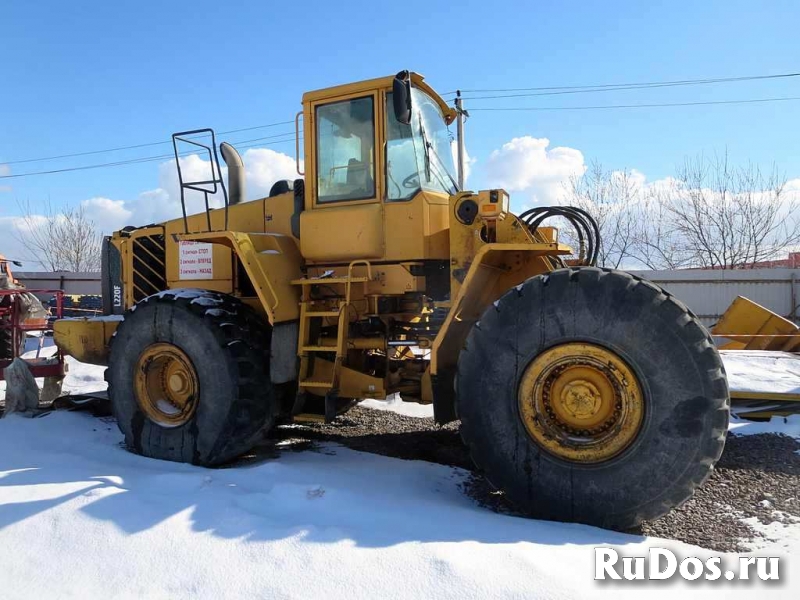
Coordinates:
x,y
297,142
216,174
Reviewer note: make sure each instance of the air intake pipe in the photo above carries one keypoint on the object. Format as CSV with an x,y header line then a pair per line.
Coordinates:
x,y
236,185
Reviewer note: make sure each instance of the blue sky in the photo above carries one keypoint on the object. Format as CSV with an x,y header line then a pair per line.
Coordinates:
x,y
83,76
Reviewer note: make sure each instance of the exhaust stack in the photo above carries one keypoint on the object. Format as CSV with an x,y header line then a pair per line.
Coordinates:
x,y
236,183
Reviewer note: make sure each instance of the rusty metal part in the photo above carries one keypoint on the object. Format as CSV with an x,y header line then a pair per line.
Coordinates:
x,y
166,385
581,402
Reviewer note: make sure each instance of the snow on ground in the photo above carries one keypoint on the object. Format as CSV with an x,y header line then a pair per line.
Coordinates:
x,y
784,425
81,378
782,534
80,516
394,404
762,371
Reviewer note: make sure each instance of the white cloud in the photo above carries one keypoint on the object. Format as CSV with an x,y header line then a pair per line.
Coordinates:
x,y
12,229
107,213
5,170
263,167
526,165
468,161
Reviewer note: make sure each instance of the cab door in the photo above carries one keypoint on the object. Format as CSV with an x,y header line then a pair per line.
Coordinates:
x,y
343,220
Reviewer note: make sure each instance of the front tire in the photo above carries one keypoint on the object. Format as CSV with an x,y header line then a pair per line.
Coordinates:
x,y
188,377
594,396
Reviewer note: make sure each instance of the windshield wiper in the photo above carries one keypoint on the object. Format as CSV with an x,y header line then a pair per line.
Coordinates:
x,y
444,167
428,150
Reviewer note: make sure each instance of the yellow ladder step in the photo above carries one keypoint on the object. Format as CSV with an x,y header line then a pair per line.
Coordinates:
x,y
318,348
327,280
310,383
322,313
309,418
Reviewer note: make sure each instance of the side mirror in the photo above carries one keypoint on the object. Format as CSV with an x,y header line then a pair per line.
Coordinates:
x,y
401,94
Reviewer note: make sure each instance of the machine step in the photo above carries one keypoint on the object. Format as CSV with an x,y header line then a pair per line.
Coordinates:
x,y
322,313
327,280
317,348
310,383
309,418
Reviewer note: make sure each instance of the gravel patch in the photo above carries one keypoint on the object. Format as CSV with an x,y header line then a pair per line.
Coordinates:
x,y
757,476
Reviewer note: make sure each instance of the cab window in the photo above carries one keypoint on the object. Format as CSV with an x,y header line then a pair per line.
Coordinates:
x,y
346,150
402,171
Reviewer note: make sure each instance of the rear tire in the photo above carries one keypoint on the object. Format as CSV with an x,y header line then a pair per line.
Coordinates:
x,y
7,344
219,351
678,434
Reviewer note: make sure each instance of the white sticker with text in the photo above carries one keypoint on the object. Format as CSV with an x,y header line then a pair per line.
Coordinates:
x,y
195,260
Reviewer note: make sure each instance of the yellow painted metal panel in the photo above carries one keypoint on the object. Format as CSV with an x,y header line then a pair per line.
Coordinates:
x,y
271,261
342,233
751,326
85,339
492,271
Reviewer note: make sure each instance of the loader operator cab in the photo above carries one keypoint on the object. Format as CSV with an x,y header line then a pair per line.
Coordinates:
x,y
417,153
377,155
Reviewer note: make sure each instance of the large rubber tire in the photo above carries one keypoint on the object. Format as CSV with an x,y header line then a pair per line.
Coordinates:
x,y
686,401
7,344
229,347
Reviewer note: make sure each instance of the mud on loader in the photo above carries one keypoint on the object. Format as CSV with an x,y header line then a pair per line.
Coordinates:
x,y
585,394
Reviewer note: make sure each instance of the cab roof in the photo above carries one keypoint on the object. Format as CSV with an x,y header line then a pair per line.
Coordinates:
x,y
379,83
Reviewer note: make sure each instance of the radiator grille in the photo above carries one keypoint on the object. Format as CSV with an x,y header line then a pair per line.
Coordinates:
x,y
149,270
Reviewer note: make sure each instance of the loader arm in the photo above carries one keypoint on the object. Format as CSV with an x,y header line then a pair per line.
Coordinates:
x,y
495,269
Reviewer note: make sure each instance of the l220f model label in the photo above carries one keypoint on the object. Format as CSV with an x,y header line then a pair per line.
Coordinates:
x,y
195,260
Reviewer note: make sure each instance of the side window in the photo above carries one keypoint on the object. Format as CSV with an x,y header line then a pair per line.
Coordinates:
x,y
402,173
346,150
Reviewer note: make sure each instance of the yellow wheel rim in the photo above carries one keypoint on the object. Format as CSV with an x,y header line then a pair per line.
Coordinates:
x,y
166,385
581,402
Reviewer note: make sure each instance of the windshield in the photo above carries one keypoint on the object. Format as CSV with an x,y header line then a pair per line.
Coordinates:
x,y
419,155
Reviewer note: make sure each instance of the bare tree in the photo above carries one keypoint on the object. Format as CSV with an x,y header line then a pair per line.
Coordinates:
x,y
714,215
657,243
65,240
610,197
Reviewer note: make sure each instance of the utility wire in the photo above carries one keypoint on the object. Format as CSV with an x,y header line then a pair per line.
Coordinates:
x,y
604,89
29,160
613,106
537,91
144,159
530,91
638,85
510,108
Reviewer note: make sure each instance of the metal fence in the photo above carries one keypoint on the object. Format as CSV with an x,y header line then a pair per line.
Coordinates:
x,y
80,284
709,292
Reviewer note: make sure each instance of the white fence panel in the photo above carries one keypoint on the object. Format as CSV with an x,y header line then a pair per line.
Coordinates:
x,y
709,292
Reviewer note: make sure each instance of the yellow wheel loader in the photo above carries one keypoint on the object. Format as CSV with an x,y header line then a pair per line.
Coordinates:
x,y
585,394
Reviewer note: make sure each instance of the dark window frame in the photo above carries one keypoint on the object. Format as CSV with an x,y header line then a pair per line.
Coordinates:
x,y
335,200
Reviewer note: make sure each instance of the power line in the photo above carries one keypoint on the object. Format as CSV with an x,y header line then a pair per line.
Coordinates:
x,y
612,89
636,85
257,141
623,106
528,91
134,146
144,159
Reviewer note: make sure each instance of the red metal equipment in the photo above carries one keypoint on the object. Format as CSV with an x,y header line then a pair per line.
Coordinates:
x,y
11,319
